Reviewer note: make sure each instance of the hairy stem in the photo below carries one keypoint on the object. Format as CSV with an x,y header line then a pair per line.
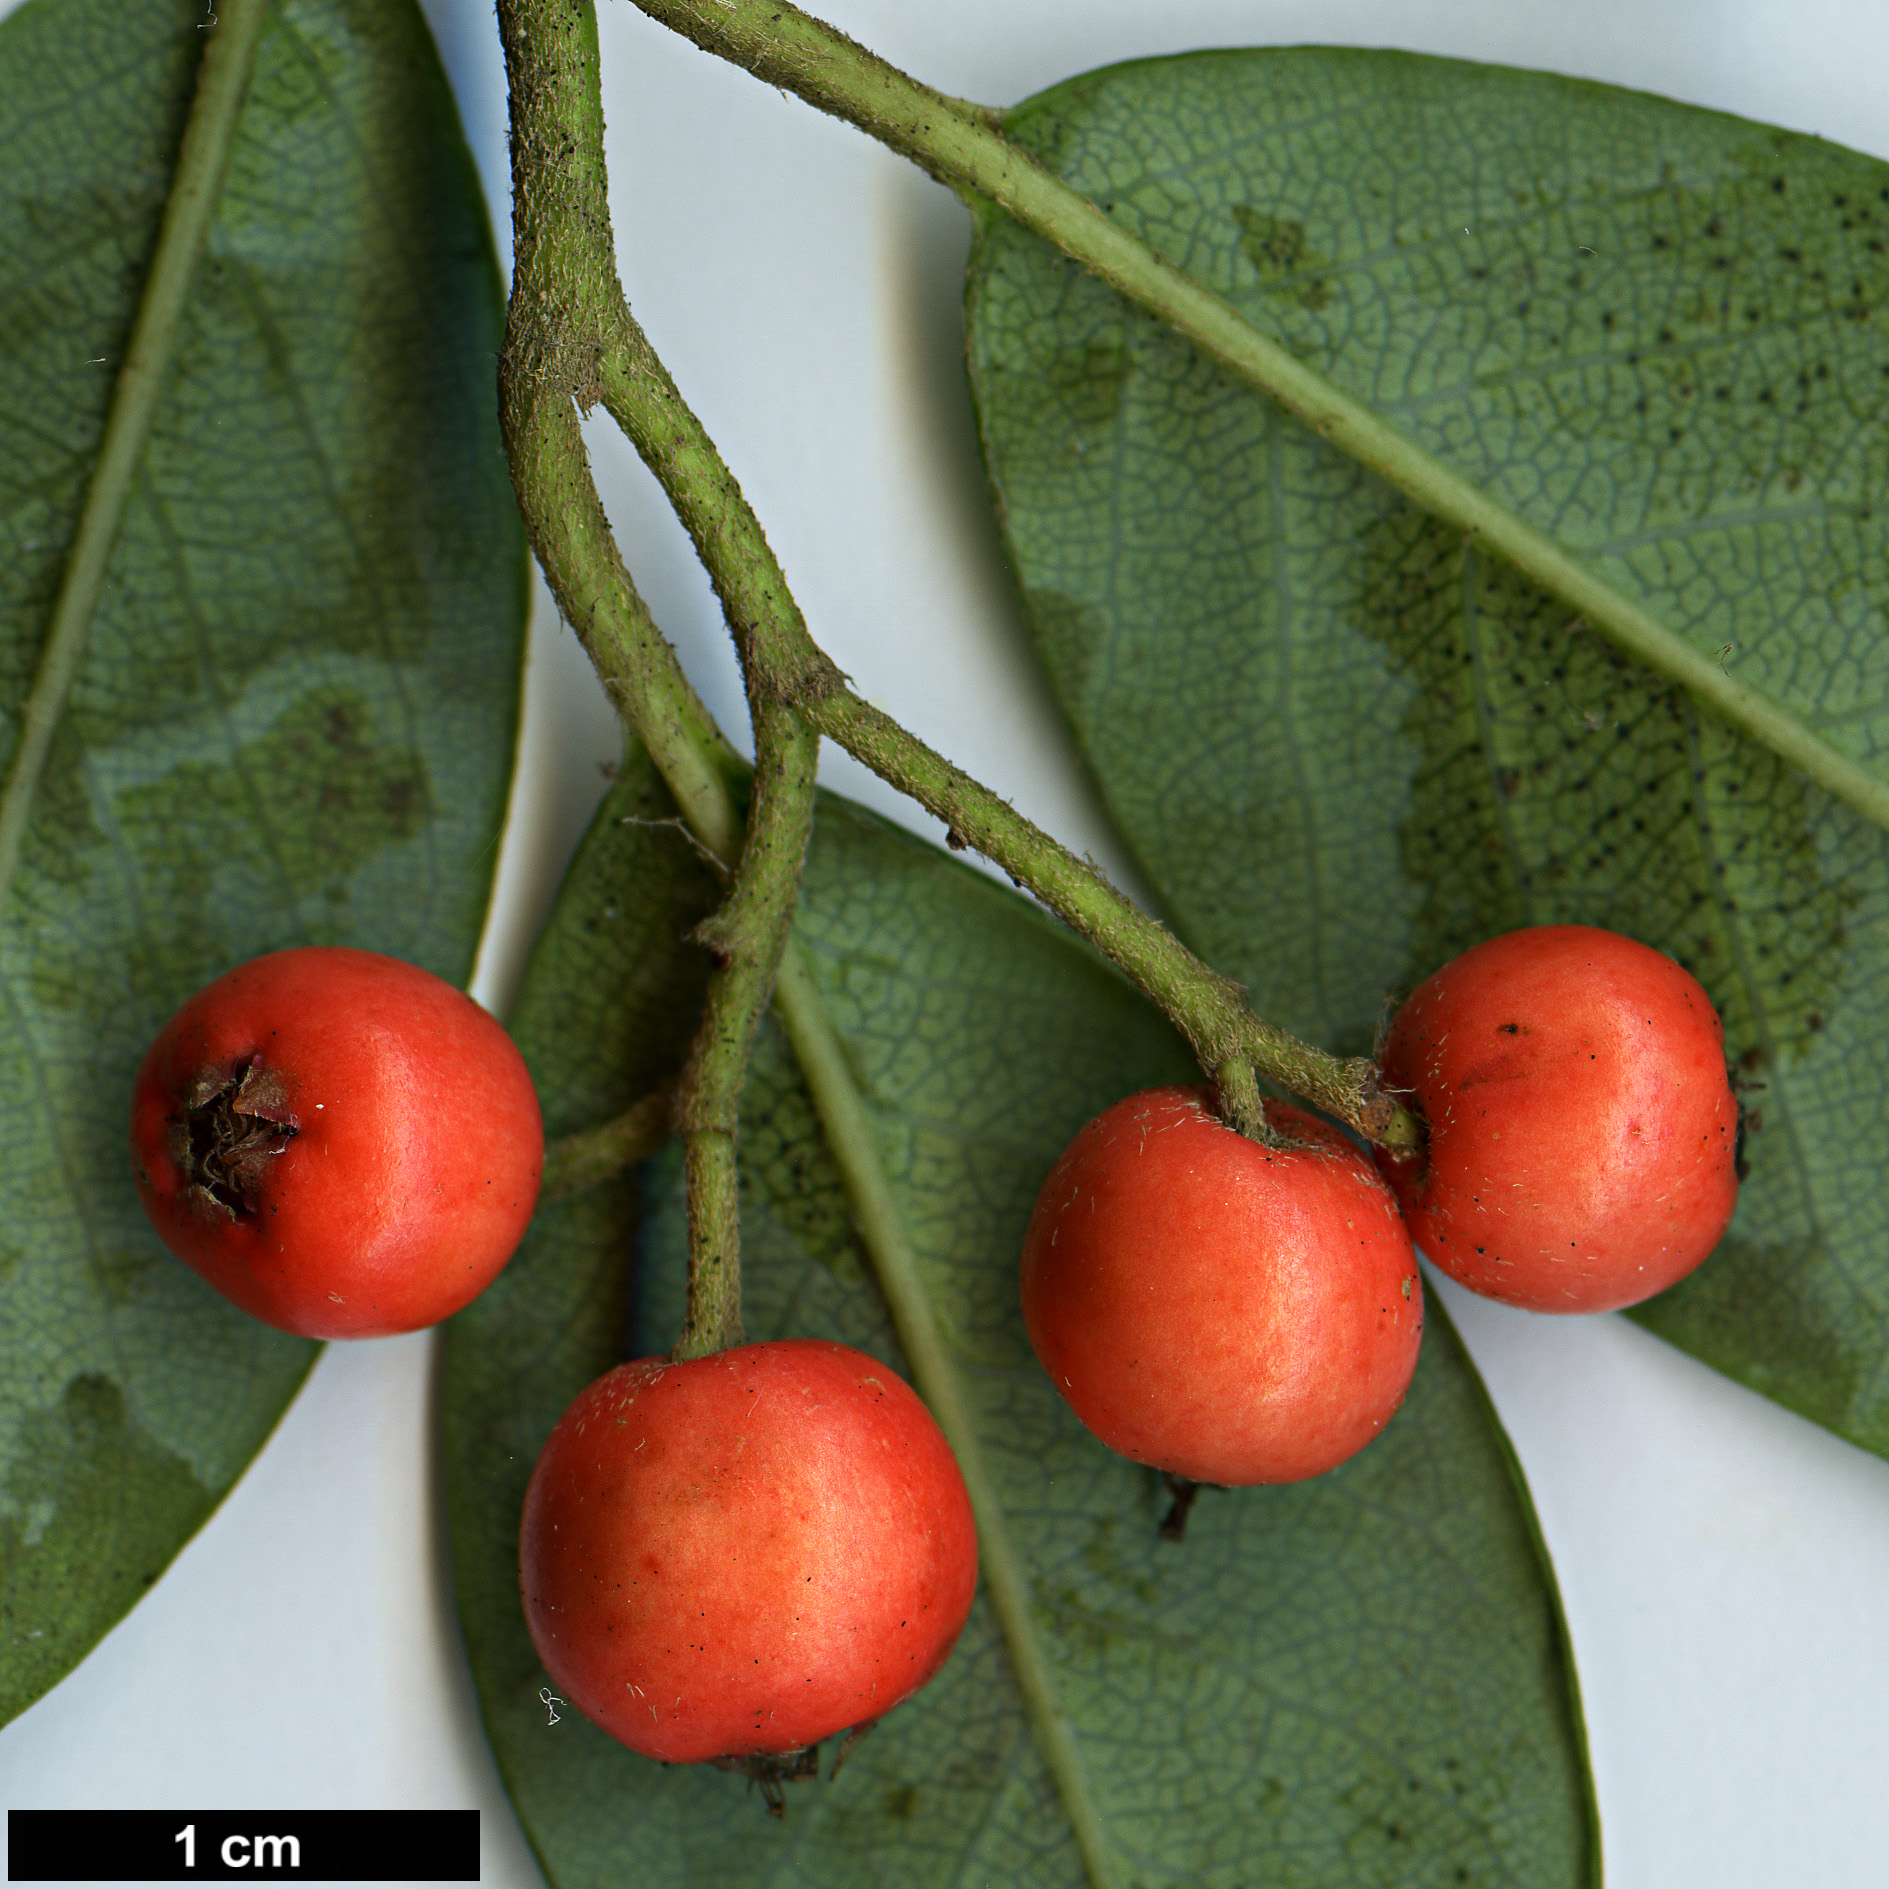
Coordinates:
x,y
567,315
1208,1008
783,663
564,248
961,145
747,936
695,759
566,311
1240,1100
229,57
575,1162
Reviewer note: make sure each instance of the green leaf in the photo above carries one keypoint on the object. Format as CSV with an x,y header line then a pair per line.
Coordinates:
x,y
1359,1680
294,718
1342,743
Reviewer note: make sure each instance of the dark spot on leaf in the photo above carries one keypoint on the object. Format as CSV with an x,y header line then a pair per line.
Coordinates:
x,y
1285,263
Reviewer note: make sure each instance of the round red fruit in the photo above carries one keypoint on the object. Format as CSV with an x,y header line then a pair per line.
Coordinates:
x,y
1224,1311
1582,1127
342,1144
740,1555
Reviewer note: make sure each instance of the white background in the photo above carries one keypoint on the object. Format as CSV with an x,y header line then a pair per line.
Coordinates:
x,y
1725,1566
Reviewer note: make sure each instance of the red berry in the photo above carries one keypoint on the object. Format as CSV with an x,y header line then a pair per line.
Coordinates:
x,y
1227,1312
745,1553
342,1144
1582,1126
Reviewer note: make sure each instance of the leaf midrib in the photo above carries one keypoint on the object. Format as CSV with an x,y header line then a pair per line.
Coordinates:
x,y
846,1124
957,142
196,185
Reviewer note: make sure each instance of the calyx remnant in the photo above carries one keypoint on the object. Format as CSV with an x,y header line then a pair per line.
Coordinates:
x,y
235,1122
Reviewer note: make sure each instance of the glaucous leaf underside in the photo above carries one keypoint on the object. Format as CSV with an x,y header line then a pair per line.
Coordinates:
x,y
295,716
1343,742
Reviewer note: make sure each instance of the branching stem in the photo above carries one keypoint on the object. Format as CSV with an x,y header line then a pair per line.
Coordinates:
x,y
567,315
784,664
566,311
571,339
569,342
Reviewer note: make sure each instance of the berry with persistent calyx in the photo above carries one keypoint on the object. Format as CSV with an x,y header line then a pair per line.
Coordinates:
x,y
1582,1131
745,1553
1227,1312
341,1143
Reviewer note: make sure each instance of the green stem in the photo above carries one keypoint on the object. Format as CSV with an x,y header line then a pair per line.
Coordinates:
x,y
747,935
566,317
849,1134
959,144
229,57
566,310
1240,1100
587,575
575,1162
778,656
783,663
1209,1009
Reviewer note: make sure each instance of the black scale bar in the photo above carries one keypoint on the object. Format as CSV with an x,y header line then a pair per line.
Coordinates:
x,y
242,1845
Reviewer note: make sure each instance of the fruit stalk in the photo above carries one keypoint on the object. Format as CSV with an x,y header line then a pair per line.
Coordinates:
x,y
746,937
576,1161
782,663
564,249
567,314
